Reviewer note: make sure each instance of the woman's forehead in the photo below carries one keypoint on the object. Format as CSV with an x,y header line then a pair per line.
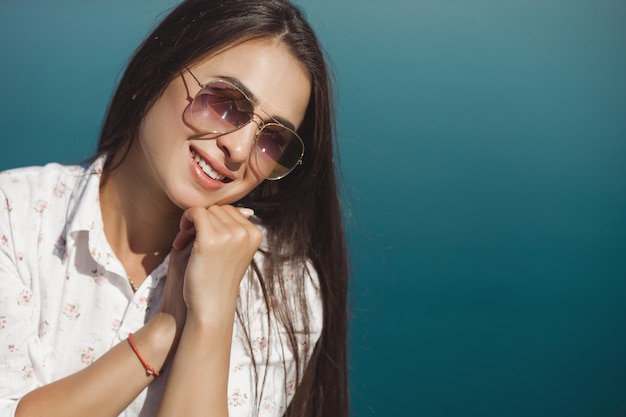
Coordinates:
x,y
266,71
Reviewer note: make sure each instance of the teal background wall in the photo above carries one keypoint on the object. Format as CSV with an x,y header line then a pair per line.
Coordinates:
x,y
484,153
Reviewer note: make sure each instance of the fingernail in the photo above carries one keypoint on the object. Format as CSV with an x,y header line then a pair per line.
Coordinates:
x,y
247,212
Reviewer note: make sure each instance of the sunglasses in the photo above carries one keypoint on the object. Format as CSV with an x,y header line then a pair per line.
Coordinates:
x,y
221,107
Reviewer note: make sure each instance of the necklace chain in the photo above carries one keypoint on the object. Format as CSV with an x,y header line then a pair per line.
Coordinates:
x,y
132,285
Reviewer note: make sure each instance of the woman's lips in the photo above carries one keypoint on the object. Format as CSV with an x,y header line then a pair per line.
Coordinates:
x,y
207,169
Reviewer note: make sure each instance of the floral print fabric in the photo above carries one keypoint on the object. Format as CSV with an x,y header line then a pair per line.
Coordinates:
x,y
65,299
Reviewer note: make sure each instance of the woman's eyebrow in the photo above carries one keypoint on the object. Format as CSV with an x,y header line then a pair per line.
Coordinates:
x,y
284,122
237,83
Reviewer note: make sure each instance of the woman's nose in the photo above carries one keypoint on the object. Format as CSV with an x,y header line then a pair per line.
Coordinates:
x,y
238,144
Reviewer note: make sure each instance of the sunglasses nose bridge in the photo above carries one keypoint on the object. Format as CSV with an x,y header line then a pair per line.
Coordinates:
x,y
256,119
260,125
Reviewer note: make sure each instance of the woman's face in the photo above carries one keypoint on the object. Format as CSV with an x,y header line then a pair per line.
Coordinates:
x,y
166,155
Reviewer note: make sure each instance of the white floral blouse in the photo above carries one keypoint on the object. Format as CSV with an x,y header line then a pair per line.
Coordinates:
x,y
65,298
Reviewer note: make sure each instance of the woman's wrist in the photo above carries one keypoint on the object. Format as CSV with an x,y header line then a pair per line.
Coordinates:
x,y
158,338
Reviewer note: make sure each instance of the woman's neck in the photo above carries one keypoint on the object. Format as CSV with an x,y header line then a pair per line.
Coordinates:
x,y
138,225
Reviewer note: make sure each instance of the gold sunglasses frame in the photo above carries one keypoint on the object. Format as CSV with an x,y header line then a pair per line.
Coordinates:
x,y
261,124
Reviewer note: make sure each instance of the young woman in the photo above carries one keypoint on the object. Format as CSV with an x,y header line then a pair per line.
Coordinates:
x,y
197,264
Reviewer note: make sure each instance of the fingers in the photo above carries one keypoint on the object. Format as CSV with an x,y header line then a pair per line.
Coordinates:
x,y
185,233
213,220
187,230
225,226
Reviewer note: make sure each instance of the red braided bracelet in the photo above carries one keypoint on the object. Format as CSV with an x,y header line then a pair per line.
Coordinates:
x,y
149,369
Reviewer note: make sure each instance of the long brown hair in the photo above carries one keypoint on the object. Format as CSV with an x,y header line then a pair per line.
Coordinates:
x,y
300,212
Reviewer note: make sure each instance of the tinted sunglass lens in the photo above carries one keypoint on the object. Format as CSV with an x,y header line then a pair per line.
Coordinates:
x,y
220,108
278,151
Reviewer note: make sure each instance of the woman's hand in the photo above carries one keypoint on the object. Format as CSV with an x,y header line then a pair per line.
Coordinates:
x,y
214,247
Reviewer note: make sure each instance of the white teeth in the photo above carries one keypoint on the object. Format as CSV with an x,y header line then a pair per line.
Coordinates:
x,y
207,168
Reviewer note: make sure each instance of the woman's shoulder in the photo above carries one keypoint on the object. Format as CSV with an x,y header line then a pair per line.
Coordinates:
x,y
30,184
42,199
287,265
293,283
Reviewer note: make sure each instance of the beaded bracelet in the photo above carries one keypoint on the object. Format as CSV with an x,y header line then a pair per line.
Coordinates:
x,y
149,369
